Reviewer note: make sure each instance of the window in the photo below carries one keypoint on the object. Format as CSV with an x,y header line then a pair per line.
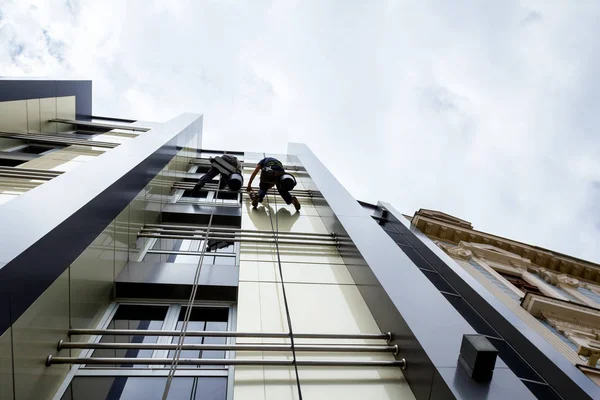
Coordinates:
x,y
497,282
211,194
145,388
562,337
7,161
162,317
520,283
129,316
590,294
41,149
203,319
203,194
557,288
218,251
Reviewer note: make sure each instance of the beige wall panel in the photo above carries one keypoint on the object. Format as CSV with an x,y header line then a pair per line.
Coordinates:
x,y
340,310
322,298
286,218
249,381
295,273
47,112
42,163
36,334
330,383
65,108
313,308
34,123
248,312
9,143
6,371
13,116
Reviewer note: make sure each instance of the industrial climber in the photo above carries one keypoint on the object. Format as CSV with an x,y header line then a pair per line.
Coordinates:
x,y
230,169
272,174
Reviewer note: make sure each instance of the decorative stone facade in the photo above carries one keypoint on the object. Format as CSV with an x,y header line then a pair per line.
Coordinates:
x,y
561,301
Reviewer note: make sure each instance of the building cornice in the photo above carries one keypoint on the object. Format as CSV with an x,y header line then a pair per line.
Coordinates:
x,y
446,230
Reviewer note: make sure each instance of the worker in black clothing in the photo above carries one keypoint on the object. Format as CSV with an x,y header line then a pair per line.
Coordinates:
x,y
230,169
271,174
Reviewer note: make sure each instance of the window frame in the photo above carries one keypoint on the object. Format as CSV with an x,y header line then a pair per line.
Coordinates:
x,y
169,323
151,242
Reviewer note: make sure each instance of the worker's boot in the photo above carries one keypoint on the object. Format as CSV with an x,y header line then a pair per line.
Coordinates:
x,y
254,198
296,203
197,190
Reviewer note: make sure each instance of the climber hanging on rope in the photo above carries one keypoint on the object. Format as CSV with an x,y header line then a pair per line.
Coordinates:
x,y
230,169
272,174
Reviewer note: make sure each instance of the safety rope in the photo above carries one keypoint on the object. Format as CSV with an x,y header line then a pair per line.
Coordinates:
x,y
188,311
275,230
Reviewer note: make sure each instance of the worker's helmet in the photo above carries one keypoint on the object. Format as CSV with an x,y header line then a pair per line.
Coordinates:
x,y
235,182
287,182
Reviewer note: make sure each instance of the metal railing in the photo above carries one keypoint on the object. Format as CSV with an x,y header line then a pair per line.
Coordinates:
x,y
268,347
282,335
240,235
301,193
231,347
99,125
51,360
56,139
28,173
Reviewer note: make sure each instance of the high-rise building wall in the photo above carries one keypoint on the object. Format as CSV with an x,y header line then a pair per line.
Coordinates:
x,y
322,298
117,281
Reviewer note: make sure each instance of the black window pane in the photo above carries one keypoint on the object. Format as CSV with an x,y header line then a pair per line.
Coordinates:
x,y
134,388
67,395
197,195
203,319
132,317
226,194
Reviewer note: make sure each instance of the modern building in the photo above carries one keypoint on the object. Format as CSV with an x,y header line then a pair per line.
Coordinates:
x,y
117,282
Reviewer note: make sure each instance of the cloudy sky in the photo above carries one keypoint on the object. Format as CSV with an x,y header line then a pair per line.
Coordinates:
x,y
484,110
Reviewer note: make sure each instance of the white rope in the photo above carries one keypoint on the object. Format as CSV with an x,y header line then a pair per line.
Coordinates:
x,y
188,311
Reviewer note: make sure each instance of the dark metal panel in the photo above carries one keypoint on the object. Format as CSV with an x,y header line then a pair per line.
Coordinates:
x,y
82,90
25,89
552,366
12,90
401,299
200,214
179,273
175,292
51,226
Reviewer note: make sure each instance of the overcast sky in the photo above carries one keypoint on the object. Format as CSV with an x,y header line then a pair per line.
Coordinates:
x,y
488,111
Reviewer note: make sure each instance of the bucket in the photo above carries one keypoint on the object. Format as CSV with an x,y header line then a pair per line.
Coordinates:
x,y
235,182
287,182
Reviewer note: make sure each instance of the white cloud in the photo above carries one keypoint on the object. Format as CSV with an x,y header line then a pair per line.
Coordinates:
x,y
486,112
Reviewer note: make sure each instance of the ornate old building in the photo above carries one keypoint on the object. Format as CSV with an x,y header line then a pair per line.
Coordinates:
x,y
557,295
